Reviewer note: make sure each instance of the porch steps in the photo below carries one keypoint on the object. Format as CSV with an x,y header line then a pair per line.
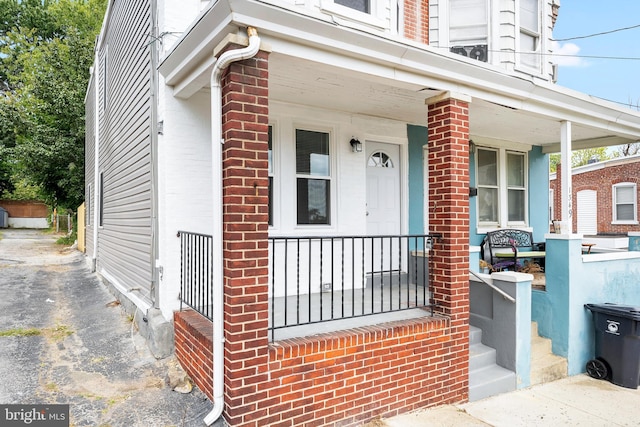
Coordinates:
x,y
485,377
545,366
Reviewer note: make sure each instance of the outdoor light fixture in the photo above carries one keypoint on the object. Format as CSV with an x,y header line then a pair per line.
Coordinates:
x,y
472,146
356,146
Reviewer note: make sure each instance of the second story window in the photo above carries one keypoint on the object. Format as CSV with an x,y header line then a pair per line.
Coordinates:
x,y
359,5
530,30
469,28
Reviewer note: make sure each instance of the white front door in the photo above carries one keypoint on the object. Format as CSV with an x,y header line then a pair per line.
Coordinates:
x,y
383,189
383,208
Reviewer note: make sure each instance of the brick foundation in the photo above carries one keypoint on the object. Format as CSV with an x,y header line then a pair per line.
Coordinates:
x,y
340,379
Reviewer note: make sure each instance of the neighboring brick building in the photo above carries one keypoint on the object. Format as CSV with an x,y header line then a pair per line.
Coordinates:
x,y
605,196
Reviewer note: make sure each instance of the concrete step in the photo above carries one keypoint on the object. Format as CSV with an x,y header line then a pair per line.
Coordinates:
x,y
485,377
481,356
490,381
545,366
475,335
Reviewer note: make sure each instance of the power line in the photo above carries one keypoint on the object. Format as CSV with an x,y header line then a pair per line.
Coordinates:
x,y
596,34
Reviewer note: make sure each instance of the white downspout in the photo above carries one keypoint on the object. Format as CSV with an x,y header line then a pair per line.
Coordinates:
x,y
96,157
216,257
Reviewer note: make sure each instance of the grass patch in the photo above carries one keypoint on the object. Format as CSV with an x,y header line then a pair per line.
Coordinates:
x,y
59,333
20,332
67,240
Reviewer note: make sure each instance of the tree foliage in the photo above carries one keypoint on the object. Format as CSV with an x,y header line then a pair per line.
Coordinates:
x,y
46,49
581,157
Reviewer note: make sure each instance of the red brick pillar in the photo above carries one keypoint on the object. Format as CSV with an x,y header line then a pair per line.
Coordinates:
x,y
449,216
245,230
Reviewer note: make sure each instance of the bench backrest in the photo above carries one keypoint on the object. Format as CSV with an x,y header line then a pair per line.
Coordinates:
x,y
505,238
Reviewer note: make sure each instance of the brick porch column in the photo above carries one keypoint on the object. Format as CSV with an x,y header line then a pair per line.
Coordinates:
x,y
245,230
449,215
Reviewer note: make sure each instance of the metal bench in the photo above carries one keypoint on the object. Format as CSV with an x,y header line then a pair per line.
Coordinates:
x,y
503,248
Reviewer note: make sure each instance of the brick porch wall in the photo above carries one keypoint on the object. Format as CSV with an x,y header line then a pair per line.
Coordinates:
x,y
345,378
340,379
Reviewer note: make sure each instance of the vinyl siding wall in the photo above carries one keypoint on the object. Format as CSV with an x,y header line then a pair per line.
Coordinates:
x,y
124,239
89,167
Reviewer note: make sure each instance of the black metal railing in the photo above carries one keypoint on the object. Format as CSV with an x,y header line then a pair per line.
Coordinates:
x,y
196,272
320,279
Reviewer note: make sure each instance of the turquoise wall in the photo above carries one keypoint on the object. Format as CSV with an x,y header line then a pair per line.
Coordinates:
x,y
538,196
573,280
417,136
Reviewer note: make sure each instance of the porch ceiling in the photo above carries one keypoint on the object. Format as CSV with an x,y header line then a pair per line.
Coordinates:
x,y
298,81
317,62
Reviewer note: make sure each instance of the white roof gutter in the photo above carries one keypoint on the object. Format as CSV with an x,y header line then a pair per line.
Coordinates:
x,y
217,258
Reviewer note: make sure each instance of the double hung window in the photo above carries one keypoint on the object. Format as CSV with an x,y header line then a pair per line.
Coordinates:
x,y
530,34
625,205
313,177
502,190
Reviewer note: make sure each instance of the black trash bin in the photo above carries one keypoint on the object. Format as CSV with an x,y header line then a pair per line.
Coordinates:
x,y
617,352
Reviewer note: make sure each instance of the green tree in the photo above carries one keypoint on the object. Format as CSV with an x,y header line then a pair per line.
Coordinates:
x,y
46,49
580,157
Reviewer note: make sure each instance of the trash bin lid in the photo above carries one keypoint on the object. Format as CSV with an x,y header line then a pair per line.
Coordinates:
x,y
629,312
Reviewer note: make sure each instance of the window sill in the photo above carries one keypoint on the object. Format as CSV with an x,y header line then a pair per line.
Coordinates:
x,y
624,223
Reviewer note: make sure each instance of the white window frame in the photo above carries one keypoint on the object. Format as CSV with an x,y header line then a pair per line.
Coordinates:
x,y
503,191
374,18
274,173
330,178
536,34
614,209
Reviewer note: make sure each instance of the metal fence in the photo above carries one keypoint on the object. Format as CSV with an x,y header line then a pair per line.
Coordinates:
x,y
196,272
320,279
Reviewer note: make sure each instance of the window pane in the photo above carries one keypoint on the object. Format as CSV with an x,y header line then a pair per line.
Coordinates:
x,y
488,204
487,167
270,150
515,170
313,201
624,213
359,5
529,15
270,200
516,205
624,195
312,153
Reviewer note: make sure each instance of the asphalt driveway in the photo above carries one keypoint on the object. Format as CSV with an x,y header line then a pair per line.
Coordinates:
x,y
64,339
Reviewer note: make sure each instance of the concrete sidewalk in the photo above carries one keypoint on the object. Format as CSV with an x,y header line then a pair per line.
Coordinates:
x,y
575,401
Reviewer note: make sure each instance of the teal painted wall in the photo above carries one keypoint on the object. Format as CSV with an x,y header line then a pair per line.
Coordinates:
x,y
417,136
538,193
574,280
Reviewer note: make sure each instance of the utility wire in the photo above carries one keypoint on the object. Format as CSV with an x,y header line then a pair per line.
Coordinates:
x,y
596,34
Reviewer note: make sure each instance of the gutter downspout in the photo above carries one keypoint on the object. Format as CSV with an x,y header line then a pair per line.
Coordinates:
x,y
96,157
216,257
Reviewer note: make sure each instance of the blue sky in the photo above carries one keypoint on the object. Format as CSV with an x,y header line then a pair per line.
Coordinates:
x,y
612,79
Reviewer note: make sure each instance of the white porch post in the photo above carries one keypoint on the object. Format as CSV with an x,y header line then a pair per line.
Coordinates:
x,y
566,190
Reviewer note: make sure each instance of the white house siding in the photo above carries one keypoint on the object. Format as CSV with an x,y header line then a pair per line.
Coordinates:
x,y
89,159
502,32
185,180
124,240
348,176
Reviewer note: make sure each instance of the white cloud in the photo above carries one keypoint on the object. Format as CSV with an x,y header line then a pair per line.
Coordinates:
x,y
564,55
